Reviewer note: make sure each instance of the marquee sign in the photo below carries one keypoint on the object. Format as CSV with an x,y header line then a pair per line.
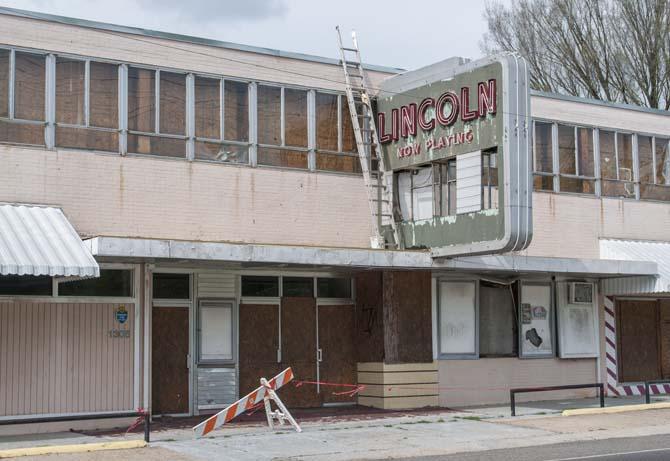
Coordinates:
x,y
468,112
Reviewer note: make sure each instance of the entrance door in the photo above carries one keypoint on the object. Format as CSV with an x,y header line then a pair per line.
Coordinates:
x,y
637,331
298,338
169,367
336,352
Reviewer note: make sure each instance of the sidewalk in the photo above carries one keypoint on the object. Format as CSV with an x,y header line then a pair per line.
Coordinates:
x,y
392,435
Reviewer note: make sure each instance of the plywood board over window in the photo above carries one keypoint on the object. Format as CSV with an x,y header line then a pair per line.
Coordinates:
x,y
104,95
269,115
236,107
638,342
70,91
4,82
326,121
29,86
172,103
207,108
295,116
141,100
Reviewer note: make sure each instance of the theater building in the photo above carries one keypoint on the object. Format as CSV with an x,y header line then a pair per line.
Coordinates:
x,y
182,216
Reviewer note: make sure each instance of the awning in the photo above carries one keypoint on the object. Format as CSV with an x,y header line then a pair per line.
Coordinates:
x,y
635,250
36,240
252,255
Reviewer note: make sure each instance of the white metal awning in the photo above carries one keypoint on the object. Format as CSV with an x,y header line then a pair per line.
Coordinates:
x,y
635,250
36,240
256,255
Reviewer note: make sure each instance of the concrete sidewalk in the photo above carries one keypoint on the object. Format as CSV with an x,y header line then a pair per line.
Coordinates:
x,y
396,436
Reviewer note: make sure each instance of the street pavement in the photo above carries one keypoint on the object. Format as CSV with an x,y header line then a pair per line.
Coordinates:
x,y
484,434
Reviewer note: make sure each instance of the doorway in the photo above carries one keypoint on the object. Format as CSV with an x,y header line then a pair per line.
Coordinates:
x,y
169,364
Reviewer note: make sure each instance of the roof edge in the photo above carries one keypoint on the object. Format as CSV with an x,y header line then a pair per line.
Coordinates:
x,y
184,38
598,102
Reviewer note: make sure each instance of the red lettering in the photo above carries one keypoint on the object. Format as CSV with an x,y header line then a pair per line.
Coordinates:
x,y
426,125
395,124
408,120
452,99
384,137
486,97
466,113
469,136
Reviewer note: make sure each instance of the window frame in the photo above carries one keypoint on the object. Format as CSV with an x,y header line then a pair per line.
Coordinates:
x,y
233,338
457,355
551,319
342,104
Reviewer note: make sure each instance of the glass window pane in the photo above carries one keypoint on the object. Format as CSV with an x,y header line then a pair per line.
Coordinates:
x,y
141,100
607,155
156,145
624,148
585,152
577,185
543,147
25,285
225,153
207,108
646,158
70,89
172,286
282,157
4,83
261,285
269,115
236,107
333,287
104,95
112,282
29,86
21,133
87,138
541,182
326,121
662,161
348,138
172,103
302,287
338,162
295,113
566,149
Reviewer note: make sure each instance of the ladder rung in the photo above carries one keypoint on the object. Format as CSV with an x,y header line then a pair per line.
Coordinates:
x,y
352,63
349,49
363,116
355,75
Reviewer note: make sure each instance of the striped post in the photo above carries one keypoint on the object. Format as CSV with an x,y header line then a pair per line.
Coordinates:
x,y
613,386
245,403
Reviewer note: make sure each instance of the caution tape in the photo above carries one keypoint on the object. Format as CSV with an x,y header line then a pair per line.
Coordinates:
x,y
355,388
142,414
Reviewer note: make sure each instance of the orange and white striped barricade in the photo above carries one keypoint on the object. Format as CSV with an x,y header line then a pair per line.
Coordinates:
x,y
265,392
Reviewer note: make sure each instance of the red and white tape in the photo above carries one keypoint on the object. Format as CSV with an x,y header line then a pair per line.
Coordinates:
x,y
247,402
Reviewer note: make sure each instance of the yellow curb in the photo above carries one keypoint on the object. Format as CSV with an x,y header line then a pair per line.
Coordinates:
x,y
619,409
79,448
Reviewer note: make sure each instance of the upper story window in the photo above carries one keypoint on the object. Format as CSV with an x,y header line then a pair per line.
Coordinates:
x,y
606,162
575,157
335,142
282,127
87,115
22,97
156,112
221,120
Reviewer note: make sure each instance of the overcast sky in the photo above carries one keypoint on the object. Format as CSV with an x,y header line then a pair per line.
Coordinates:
x,y
401,33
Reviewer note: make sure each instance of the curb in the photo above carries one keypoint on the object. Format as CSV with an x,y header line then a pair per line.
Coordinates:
x,y
78,448
619,409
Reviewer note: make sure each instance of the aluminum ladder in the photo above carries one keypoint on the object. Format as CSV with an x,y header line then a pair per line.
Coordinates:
x,y
378,183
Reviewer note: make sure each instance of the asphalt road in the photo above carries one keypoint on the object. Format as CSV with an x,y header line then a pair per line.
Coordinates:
x,y
650,448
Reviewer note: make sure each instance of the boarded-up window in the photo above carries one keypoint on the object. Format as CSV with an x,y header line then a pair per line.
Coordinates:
x,y
29,86
236,111
141,100
662,161
326,121
348,138
4,82
104,95
566,150
207,108
172,108
282,158
646,158
637,335
295,115
619,165
70,91
269,115
607,155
